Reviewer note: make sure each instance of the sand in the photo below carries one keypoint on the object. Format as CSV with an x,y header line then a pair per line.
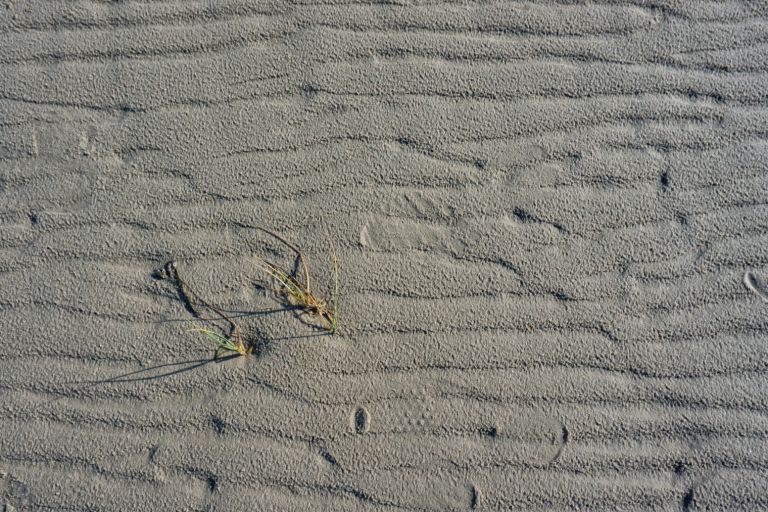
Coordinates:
x,y
551,224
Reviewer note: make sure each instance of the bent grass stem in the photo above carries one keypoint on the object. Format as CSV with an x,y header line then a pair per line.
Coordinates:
x,y
170,269
300,293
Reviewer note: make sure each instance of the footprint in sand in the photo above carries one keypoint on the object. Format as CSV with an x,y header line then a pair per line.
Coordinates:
x,y
756,285
455,432
412,442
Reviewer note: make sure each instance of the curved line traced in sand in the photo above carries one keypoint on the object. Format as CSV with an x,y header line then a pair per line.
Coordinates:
x,y
749,282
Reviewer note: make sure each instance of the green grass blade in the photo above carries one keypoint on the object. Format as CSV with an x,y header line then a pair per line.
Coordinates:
x,y
288,284
218,338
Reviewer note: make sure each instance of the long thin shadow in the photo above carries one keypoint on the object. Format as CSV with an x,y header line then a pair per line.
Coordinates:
x,y
195,364
239,314
123,378
317,335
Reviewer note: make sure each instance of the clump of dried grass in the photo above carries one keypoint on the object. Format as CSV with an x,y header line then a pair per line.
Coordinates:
x,y
299,294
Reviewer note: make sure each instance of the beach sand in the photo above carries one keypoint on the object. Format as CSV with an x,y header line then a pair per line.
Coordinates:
x,y
551,225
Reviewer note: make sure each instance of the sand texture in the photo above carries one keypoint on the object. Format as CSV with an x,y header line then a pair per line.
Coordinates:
x,y
551,223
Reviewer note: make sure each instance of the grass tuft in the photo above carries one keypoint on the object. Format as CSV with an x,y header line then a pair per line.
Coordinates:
x,y
218,338
298,293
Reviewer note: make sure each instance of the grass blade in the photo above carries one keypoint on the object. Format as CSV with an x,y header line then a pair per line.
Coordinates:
x,y
218,338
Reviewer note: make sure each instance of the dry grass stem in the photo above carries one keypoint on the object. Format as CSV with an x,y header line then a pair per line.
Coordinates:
x,y
170,270
298,293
